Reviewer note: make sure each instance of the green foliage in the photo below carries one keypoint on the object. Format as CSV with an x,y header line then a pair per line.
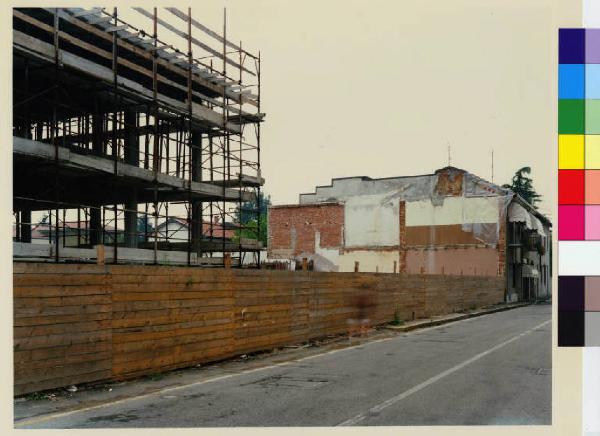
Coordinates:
x,y
397,320
523,185
35,396
247,216
155,377
143,225
250,231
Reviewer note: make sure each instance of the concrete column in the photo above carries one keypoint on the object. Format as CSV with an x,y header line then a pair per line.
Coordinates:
x,y
196,177
132,157
131,220
132,144
95,213
25,229
25,226
95,226
97,132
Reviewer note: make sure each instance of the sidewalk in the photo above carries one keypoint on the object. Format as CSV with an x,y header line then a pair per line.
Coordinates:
x,y
443,319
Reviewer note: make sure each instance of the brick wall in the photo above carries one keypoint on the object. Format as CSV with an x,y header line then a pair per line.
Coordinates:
x,y
292,228
449,182
403,248
502,242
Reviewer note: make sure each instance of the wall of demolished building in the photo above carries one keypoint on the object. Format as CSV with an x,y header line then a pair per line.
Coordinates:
x,y
371,221
450,222
458,235
295,232
479,261
374,260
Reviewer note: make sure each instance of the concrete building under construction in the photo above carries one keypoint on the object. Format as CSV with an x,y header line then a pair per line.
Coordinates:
x,y
119,128
449,222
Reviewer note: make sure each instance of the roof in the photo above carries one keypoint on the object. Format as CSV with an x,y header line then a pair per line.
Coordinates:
x,y
489,186
320,204
363,178
451,168
206,224
67,225
543,218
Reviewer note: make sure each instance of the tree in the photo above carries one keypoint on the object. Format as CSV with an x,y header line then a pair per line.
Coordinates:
x,y
143,226
523,185
248,215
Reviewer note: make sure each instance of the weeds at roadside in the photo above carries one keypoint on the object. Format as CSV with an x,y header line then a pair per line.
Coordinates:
x,y
154,377
397,320
35,396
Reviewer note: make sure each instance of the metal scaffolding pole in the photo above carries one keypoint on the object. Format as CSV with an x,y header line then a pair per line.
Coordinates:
x,y
258,165
225,132
155,153
53,134
115,125
191,226
194,114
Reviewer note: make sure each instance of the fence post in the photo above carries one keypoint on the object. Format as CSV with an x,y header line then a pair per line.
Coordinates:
x,y
356,266
100,254
304,264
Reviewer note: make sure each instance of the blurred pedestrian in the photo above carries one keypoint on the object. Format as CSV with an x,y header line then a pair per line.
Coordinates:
x,y
365,305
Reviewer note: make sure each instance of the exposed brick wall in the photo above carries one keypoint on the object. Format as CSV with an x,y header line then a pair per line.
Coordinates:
x,y
449,182
502,242
402,215
292,228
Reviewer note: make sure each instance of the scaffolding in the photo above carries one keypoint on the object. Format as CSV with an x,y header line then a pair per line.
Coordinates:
x,y
143,142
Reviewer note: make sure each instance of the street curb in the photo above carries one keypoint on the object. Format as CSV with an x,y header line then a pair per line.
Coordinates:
x,y
431,322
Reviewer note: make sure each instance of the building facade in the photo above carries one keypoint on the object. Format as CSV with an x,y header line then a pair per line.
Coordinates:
x,y
449,222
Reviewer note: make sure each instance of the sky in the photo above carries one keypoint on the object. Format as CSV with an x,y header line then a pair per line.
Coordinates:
x,y
385,89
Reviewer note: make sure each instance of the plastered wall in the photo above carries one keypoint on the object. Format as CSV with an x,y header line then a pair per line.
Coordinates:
x,y
453,210
371,221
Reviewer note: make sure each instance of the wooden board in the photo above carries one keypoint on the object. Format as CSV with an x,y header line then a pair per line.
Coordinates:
x,y
79,323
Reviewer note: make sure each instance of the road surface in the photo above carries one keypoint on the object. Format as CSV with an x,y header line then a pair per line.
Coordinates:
x,y
494,369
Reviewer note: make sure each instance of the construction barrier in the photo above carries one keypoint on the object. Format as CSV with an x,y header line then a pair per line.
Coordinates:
x,y
76,323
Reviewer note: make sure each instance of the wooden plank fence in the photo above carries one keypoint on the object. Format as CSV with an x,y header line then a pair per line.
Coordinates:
x,y
83,323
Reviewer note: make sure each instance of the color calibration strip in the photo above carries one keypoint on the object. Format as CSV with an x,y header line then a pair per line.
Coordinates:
x,y
579,311
579,179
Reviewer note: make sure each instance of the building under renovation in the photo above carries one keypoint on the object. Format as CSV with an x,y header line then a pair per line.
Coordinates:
x,y
119,128
450,222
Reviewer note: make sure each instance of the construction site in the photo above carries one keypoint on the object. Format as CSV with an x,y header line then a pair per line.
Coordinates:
x,y
118,129
140,229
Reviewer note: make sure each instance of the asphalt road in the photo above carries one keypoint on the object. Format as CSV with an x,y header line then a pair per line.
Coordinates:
x,y
494,369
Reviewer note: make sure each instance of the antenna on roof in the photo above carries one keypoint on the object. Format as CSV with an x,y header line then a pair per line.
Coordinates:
x,y
492,165
449,160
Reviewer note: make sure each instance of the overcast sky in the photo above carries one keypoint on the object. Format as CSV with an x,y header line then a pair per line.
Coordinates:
x,y
382,88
